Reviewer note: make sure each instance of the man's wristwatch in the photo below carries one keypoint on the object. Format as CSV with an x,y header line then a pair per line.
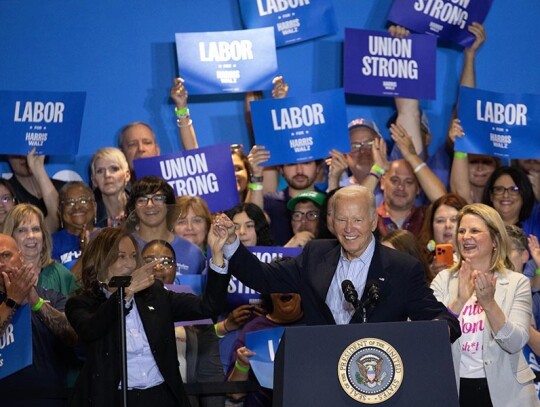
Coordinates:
x,y
12,304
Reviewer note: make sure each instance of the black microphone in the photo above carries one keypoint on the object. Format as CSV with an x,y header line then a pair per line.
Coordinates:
x,y
373,292
372,297
350,293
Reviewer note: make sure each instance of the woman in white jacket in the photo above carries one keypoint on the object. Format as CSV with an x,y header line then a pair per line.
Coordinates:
x,y
493,305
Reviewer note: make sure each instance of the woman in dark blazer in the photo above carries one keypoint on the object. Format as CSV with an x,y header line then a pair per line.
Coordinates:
x,y
152,362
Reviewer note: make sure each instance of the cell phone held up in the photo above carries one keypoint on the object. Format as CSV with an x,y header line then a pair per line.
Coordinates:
x,y
444,253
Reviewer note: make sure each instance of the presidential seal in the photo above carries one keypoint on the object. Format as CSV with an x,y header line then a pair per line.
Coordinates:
x,y
370,370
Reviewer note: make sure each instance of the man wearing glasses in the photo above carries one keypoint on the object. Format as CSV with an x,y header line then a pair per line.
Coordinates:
x,y
305,213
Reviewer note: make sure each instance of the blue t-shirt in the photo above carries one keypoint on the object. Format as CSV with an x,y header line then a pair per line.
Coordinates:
x,y
66,248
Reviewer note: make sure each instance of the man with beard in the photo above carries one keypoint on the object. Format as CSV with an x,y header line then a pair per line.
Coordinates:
x,y
299,177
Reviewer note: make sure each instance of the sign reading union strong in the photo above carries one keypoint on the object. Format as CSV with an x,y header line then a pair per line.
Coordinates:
x,y
370,370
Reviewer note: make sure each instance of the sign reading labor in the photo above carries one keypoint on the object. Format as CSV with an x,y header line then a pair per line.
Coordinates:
x,y
299,129
499,124
378,64
291,19
16,343
227,61
50,122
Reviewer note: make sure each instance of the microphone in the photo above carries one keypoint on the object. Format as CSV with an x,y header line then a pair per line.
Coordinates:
x,y
373,293
372,297
350,293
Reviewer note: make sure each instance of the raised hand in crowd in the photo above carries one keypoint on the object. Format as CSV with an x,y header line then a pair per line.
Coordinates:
x,y
36,164
429,182
337,165
186,131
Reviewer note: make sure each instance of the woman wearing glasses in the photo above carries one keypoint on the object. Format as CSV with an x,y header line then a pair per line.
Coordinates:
x,y
197,346
78,211
151,213
510,192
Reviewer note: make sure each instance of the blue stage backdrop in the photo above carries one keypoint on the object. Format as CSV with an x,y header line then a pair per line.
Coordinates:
x,y
122,54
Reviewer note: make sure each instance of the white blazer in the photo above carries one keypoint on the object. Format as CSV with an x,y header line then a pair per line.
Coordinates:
x,y
509,377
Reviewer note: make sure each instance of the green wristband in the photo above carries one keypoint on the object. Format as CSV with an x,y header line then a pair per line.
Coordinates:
x,y
38,305
537,272
181,112
241,368
459,154
377,169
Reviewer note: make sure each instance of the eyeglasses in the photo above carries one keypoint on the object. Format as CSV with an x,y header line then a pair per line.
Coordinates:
x,y
163,260
158,199
499,190
83,200
4,200
311,215
362,145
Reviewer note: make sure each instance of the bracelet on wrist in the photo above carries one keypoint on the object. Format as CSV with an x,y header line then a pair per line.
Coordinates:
x,y
374,175
537,272
37,306
241,368
255,179
180,113
225,326
184,125
459,154
419,167
216,330
378,170
255,187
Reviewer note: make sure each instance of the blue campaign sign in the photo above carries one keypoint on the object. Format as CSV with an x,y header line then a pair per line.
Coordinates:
x,y
378,64
499,124
238,293
292,20
16,343
227,61
265,344
300,129
207,172
447,19
50,122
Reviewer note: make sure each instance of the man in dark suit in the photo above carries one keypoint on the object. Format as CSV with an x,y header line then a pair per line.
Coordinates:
x,y
318,272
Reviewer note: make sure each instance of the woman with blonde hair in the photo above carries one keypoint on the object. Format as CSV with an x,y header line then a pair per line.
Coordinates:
x,y
494,308
110,176
26,224
192,220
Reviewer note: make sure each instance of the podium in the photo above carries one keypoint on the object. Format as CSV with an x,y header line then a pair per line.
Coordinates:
x,y
385,364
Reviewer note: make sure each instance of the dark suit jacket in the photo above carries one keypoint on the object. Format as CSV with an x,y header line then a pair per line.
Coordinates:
x,y
403,290
95,319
